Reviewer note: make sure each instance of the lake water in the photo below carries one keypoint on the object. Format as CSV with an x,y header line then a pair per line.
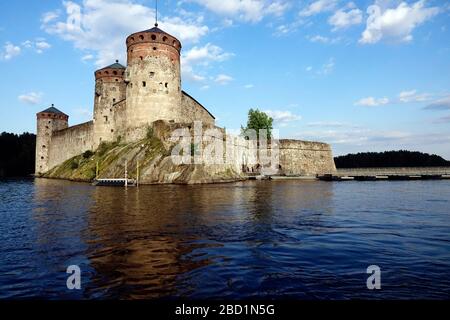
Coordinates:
x,y
259,239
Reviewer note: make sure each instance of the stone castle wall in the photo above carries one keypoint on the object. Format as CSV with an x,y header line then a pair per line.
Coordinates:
x,y
70,142
305,158
192,110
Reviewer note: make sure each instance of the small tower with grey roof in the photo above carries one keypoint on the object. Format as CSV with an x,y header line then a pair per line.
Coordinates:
x,y
109,90
48,121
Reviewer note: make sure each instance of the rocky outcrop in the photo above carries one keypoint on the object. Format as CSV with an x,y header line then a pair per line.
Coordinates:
x,y
152,158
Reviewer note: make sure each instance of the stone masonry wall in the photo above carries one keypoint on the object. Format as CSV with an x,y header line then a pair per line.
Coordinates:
x,y
154,84
70,142
192,111
305,158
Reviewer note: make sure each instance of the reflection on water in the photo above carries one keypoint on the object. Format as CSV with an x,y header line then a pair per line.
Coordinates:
x,y
289,239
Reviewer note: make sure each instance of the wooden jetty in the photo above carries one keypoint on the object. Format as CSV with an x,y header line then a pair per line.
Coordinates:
x,y
115,182
388,174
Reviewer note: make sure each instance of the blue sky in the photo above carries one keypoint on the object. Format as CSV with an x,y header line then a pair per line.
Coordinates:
x,y
365,75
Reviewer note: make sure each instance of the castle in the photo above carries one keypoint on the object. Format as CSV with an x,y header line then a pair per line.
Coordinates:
x,y
127,100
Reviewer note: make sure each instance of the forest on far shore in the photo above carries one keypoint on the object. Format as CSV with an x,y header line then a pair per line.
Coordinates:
x,y
401,158
17,154
17,157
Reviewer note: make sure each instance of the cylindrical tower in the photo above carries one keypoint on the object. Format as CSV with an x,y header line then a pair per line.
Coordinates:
x,y
153,78
48,121
109,89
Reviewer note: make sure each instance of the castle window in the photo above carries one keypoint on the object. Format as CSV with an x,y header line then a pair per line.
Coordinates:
x,y
115,73
152,74
141,37
144,84
112,130
131,85
42,158
46,127
167,85
44,146
153,37
114,100
106,119
117,80
154,48
141,57
164,38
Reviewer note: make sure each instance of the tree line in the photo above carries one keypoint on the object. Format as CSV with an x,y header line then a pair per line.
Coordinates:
x,y
17,156
401,158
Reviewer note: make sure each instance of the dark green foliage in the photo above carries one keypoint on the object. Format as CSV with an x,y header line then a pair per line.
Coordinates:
x,y
17,155
194,149
258,120
74,165
400,158
88,154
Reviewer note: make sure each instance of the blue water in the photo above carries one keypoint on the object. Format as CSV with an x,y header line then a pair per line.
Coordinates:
x,y
260,239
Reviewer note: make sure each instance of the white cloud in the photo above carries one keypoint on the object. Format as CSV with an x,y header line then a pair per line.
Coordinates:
x,y
396,24
372,102
50,16
412,96
10,51
101,26
317,7
319,38
309,68
440,104
31,98
223,79
331,124
322,39
87,57
246,10
342,19
41,46
442,120
282,118
201,57
249,86
327,68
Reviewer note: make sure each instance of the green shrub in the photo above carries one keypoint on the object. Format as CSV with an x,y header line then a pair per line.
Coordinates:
x,y
74,165
88,154
194,149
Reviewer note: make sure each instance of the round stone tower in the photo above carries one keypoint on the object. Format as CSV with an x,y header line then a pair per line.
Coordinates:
x,y
48,121
153,78
109,89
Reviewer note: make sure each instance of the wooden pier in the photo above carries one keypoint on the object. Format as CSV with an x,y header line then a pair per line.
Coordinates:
x,y
388,174
115,182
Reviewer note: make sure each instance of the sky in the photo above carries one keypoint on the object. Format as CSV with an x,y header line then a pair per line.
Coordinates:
x,y
369,75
